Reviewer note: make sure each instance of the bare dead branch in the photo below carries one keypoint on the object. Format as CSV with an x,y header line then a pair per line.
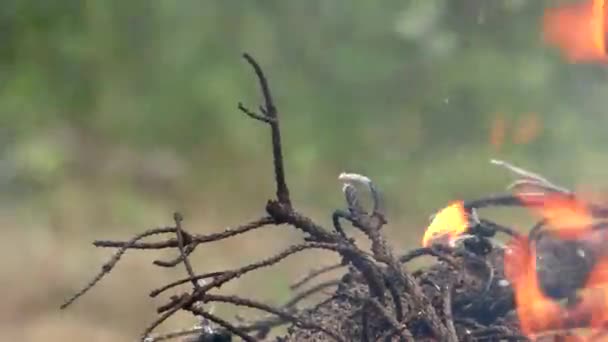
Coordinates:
x,y
108,266
177,217
271,117
188,239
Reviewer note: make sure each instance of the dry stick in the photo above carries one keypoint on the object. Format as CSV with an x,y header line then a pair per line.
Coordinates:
x,y
270,117
226,276
108,266
313,274
189,239
275,311
180,242
156,292
187,250
176,305
226,325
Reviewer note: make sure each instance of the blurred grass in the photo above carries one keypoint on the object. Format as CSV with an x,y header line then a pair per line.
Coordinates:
x,y
115,114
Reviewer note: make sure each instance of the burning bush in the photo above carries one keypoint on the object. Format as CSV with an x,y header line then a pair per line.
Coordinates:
x,y
548,282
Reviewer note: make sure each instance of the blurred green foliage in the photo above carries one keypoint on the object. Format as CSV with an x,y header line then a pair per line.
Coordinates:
x,y
140,97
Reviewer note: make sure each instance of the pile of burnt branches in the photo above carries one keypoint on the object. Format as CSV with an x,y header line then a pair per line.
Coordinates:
x,y
464,296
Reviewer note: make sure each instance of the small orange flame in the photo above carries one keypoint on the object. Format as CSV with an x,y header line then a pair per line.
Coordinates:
x,y
579,30
449,223
564,215
536,312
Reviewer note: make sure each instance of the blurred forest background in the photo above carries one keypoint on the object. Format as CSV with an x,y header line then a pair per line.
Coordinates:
x,y
114,114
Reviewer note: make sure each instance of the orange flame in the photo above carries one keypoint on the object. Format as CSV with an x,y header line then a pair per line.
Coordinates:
x,y
579,30
594,298
448,224
564,215
536,312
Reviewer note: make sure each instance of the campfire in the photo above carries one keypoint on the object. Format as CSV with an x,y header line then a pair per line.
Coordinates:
x,y
547,283
490,281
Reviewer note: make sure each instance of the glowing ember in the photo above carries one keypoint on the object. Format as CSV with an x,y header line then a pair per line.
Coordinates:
x,y
579,30
564,215
447,225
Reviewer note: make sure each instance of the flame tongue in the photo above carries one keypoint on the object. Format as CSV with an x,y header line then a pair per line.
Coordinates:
x,y
564,215
536,312
539,313
447,225
579,30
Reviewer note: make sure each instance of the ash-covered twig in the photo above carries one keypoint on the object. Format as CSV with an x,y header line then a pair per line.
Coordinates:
x,y
530,178
378,209
298,321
